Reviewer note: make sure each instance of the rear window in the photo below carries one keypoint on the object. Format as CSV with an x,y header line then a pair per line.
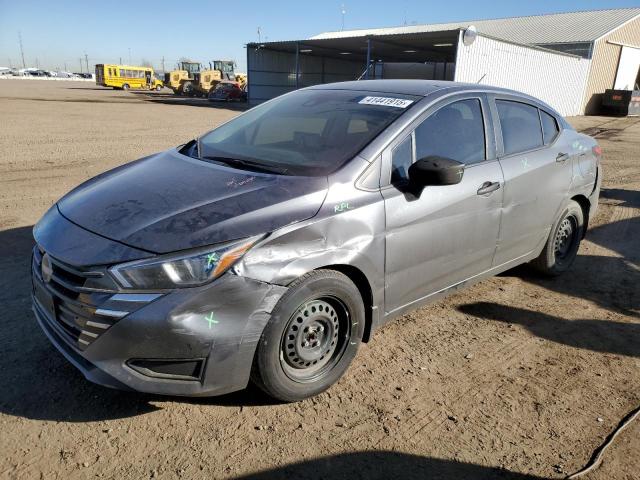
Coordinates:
x,y
308,132
520,126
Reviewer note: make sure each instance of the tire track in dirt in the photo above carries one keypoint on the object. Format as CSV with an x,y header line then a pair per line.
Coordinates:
x,y
483,375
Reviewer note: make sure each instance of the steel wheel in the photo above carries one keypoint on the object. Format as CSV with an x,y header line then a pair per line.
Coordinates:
x,y
314,339
565,238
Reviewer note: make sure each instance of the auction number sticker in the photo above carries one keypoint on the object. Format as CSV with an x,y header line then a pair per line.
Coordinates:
x,y
386,102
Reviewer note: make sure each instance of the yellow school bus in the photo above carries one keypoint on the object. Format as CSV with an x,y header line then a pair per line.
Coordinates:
x,y
124,77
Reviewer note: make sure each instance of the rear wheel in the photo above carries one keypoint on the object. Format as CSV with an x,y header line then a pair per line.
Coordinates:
x,y
312,336
158,88
125,86
562,245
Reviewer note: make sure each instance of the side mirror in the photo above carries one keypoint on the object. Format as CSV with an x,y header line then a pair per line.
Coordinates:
x,y
435,170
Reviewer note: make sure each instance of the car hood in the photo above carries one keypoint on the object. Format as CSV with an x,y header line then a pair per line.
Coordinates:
x,y
169,202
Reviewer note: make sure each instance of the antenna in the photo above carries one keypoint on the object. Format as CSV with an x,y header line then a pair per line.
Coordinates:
x,y
343,11
24,65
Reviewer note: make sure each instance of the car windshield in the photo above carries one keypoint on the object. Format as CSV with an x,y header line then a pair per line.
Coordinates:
x,y
308,132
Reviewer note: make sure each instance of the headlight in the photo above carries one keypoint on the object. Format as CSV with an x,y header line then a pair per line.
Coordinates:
x,y
190,269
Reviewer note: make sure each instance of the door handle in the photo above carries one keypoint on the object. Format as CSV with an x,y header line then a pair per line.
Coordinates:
x,y
562,157
488,187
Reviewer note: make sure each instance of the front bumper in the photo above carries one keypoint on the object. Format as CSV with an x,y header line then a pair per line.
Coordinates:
x,y
217,326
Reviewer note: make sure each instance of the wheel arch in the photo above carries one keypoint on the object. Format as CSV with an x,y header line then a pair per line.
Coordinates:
x,y
585,204
364,287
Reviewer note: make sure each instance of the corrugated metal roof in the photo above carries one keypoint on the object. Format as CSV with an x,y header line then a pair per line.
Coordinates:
x,y
572,27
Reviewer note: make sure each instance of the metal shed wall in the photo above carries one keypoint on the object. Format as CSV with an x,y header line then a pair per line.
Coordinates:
x,y
272,73
606,56
555,78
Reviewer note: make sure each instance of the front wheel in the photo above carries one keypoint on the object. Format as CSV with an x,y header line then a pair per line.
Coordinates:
x,y
564,239
312,337
125,86
158,88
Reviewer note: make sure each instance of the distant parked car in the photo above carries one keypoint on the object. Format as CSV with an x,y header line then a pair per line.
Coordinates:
x,y
227,92
272,246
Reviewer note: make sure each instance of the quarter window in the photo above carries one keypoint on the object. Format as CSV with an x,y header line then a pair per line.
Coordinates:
x,y
549,127
401,160
455,131
520,126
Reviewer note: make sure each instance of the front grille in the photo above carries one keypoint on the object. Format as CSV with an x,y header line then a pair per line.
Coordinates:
x,y
80,304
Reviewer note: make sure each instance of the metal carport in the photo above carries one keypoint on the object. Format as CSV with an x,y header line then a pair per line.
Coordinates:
x,y
275,68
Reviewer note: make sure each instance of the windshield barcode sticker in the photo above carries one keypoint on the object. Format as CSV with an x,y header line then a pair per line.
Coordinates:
x,y
386,102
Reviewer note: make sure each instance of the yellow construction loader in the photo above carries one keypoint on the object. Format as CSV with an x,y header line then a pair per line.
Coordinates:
x,y
190,79
181,80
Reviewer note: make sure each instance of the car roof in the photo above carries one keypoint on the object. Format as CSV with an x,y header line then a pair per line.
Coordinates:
x,y
423,88
409,87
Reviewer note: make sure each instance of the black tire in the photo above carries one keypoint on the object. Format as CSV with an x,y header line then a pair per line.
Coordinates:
x,y
125,86
562,245
293,363
158,88
187,89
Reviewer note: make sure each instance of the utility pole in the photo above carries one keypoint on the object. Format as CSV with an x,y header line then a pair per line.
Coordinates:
x,y
120,63
343,10
163,64
80,64
37,64
259,35
24,65
86,60
65,67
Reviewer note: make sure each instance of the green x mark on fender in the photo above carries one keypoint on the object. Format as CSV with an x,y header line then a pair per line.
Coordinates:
x,y
209,318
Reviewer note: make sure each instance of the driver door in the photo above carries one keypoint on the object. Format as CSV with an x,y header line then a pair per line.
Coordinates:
x,y
446,234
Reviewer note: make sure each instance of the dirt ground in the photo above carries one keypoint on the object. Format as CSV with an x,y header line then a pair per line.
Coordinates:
x,y
518,377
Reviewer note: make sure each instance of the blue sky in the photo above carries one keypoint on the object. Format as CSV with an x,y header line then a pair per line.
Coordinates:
x,y
62,31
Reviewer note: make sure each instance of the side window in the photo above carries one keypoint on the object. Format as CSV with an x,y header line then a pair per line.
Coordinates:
x,y
550,128
401,160
455,131
520,126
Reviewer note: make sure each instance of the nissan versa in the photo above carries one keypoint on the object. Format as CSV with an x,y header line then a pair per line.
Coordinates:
x,y
269,248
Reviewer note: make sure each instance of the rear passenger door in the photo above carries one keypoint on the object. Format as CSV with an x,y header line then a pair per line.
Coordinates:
x,y
537,175
447,233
